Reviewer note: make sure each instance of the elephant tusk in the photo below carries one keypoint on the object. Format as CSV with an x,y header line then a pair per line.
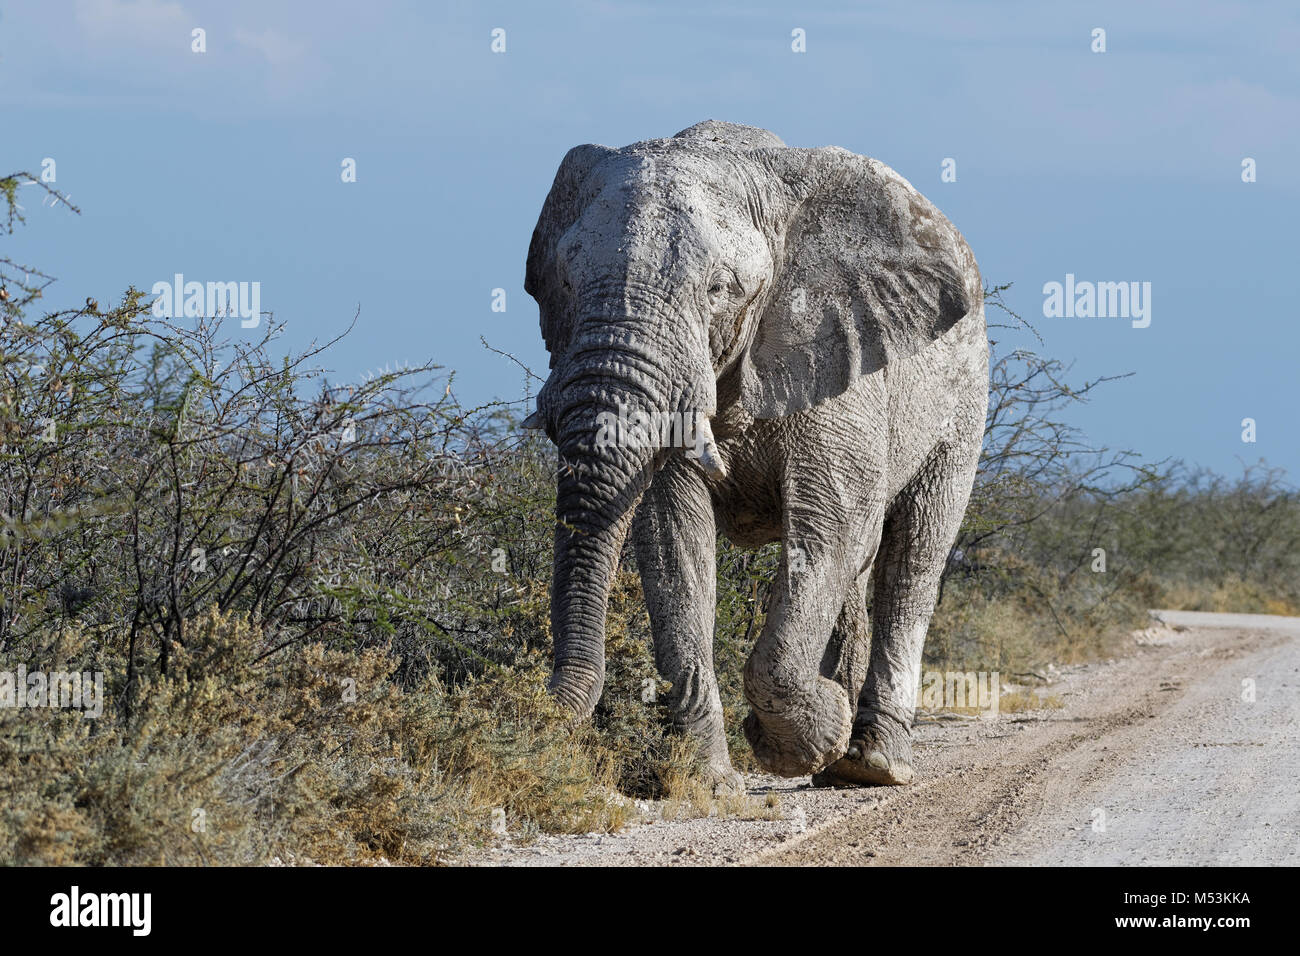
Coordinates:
x,y
707,449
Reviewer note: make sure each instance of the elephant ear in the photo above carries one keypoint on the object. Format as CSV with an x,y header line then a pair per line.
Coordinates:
x,y
868,273
564,204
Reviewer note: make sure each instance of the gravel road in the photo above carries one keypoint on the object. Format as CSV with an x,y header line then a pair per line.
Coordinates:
x,y
1185,751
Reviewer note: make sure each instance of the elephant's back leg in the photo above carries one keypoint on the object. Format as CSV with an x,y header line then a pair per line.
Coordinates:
x,y
845,660
919,529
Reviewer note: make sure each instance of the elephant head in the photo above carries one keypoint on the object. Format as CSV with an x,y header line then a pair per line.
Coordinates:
x,y
717,273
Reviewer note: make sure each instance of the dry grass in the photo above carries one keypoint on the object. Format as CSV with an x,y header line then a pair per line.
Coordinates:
x,y
1024,628
228,762
1231,595
312,754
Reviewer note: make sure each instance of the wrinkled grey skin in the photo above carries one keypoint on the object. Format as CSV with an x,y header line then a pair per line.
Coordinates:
x,y
827,324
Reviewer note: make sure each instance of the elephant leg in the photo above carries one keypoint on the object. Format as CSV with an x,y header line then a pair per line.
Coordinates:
x,y
674,537
845,661
802,677
919,531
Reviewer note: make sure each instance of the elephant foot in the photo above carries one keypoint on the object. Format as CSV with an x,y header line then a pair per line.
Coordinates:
x,y
879,755
724,779
714,759
800,741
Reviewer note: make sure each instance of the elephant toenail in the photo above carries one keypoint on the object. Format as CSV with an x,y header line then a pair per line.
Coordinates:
x,y
854,752
878,760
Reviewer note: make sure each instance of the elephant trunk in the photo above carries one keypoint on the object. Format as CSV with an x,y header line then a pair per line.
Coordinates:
x,y
599,483
593,514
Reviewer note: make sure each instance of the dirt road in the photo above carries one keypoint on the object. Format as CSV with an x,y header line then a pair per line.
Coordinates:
x,y
1186,751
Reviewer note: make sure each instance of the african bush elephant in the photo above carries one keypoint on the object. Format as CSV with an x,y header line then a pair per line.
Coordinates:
x,y
811,330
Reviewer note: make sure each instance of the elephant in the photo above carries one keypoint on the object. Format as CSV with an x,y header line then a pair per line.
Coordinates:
x,y
813,330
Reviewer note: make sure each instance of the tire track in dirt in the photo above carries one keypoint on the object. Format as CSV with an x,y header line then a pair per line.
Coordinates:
x,y
975,796
951,820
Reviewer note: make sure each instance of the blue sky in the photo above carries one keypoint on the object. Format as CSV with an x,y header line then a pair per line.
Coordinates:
x,y
1115,166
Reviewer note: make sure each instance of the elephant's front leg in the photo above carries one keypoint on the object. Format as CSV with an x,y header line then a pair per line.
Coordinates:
x,y
675,540
801,712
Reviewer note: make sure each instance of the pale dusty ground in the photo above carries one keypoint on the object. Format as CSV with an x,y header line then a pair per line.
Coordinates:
x,y
1154,758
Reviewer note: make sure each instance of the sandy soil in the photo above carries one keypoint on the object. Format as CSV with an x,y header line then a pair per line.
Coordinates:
x,y
1154,758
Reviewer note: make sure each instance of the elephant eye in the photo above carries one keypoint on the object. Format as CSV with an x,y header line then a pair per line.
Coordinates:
x,y
722,284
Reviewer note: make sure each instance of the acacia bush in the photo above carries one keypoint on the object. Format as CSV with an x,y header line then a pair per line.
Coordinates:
x,y
320,608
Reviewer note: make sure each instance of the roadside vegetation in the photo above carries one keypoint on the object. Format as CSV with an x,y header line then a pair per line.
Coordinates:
x,y
320,607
